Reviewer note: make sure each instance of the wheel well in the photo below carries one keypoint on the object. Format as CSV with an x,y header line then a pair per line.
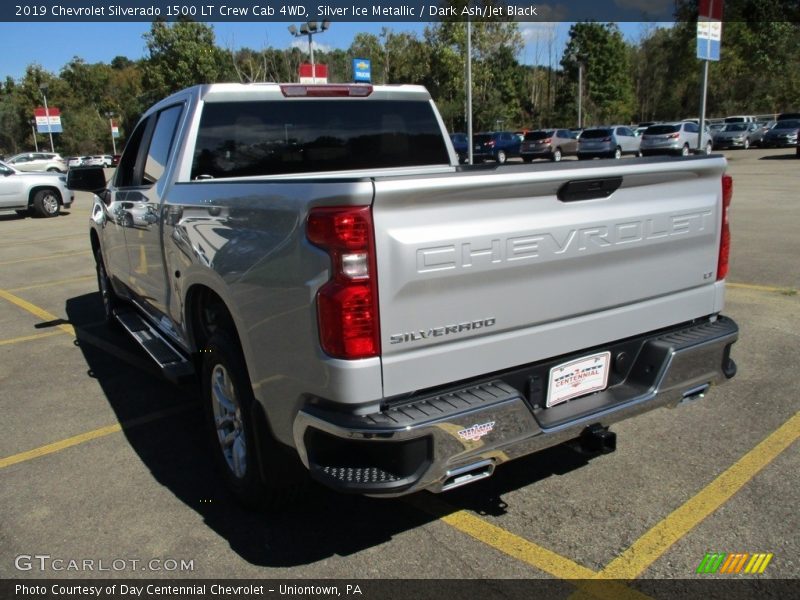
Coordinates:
x,y
40,188
206,312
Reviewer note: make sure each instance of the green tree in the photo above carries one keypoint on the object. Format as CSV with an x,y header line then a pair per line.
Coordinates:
x,y
607,83
183,54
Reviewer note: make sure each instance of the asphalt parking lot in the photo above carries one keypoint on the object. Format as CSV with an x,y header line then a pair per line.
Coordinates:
x,y
100,459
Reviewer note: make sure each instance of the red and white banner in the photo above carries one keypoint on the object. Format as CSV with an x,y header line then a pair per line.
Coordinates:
x,y
313,73
48,121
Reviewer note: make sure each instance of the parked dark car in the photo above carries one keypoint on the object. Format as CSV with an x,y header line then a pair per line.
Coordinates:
x,y
783,134
496,145
460,145
549,143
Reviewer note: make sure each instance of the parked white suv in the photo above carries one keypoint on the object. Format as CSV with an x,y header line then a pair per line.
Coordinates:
x,y
45,193
38,161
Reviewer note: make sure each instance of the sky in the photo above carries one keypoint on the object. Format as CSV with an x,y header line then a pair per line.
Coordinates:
x,y
53,45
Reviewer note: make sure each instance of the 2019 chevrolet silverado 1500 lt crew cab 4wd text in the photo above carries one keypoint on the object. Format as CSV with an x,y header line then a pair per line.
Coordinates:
x,y
349,296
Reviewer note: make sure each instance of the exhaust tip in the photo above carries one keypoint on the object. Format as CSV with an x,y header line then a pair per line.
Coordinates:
x,y
468,474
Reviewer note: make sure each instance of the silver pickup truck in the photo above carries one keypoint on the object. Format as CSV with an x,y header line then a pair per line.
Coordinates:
x,y
354,300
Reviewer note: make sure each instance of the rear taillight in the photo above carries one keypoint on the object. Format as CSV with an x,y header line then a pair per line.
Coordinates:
x,y
490,143
607,139
673,136
547,141
347,305
725,237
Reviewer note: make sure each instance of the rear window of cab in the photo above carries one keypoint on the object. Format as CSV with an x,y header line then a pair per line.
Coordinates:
x,y
239,139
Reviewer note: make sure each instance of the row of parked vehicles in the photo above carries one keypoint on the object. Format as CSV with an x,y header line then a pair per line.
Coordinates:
x,y
596,142
746,132
679,138
53,162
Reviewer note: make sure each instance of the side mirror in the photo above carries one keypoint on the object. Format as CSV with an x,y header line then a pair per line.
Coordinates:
x,y
87,179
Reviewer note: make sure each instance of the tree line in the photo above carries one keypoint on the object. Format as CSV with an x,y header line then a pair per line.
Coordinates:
x,y
656,77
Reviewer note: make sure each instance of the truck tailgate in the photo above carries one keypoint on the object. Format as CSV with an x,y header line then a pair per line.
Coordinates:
x,y
485,270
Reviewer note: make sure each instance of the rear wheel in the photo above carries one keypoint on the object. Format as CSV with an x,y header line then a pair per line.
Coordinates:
x,y
238,444
46,203
746,143
500,157
557,155
527,159
708,148
617,153
685,150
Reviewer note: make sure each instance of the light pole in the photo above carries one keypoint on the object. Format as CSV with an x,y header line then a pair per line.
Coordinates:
x,y
43,89
310,28
580,94
110,116
33,131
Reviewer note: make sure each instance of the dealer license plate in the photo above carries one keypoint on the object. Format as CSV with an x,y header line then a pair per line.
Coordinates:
x,y
577,378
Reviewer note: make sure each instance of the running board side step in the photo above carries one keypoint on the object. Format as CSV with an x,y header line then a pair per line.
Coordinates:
x,y
174,365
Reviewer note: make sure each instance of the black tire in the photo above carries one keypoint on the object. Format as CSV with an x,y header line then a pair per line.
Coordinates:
x,y
47,203
53,170
617,153
747,143
556,157
500,157
582,157
107,295
708,149
527,159
240,443
685,150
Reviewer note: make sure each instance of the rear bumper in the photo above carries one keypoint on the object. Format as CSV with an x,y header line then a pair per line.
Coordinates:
x,y
441,440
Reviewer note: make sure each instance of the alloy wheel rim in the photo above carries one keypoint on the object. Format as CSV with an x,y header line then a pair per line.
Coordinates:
x,y
228,421
50,203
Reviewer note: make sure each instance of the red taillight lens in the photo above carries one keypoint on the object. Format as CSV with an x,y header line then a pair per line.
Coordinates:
x,y
608,139
490,143
547,141
725,237
326,91
347,305
673,136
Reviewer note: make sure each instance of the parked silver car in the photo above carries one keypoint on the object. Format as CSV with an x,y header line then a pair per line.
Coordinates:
x,y
38,161
737,135
674,138
45,193
611,142
548,143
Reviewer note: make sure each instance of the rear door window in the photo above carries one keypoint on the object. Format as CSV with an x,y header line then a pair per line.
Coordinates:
x,y
238,139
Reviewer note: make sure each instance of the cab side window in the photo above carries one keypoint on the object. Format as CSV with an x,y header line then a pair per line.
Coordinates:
x,y
147,151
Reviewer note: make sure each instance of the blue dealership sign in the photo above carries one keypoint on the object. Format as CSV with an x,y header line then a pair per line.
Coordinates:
x,y
361,70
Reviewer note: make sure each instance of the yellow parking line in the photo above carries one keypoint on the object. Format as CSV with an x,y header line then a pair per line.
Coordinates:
x,y
502,540
648,548
36,311
90,435
523,550
52,283
27,338
758,288
55,255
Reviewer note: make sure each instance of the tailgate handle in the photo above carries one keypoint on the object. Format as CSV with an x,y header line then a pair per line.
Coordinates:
x,y
588,189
